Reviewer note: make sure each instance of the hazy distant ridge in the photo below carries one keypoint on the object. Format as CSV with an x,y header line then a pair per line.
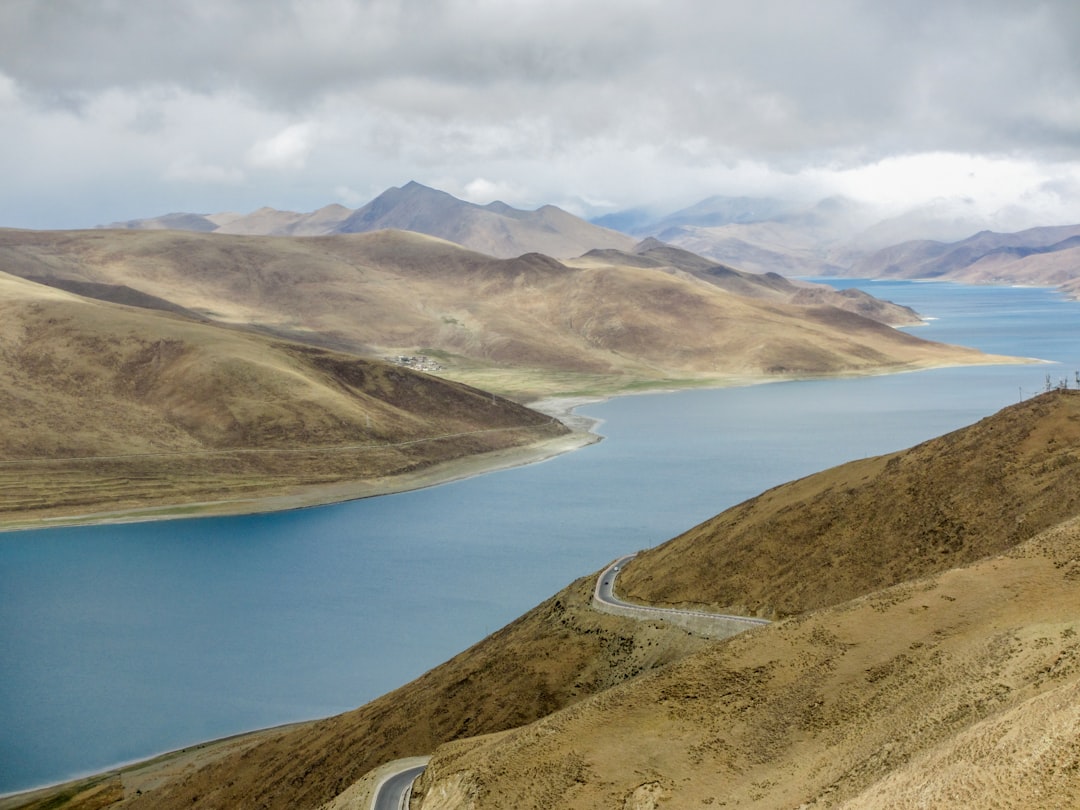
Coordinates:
x,y
496,229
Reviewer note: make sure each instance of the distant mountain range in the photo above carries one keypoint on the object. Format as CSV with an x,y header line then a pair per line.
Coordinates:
x,y
762,234
835,236
496,229
1038,256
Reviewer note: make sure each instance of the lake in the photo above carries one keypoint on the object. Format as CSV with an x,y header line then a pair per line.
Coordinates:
x,y
119,642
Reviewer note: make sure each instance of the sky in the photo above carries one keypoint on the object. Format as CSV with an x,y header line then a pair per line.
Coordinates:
x,y
117,109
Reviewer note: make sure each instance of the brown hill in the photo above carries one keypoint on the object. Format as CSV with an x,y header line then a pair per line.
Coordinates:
x,y
496,229
817,708
104,405
528,326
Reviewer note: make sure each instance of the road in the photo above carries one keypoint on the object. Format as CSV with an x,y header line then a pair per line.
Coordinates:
x,y
393,792
605,594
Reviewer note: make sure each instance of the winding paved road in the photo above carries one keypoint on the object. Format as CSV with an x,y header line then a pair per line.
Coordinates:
x,y
604,594
393,792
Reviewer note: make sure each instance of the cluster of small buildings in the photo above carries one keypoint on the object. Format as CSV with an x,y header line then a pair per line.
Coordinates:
x,y
420,362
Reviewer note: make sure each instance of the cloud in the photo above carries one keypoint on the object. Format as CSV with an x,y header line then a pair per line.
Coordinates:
x,y
481,190
287,149
620,100
189,169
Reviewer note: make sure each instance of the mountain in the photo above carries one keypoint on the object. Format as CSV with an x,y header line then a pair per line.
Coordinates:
x,y
530,325
496,229
949,678
1037,256
113,408
946,680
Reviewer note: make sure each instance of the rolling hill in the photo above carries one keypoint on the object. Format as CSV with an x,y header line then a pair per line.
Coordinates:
x,y
112,407
954,687
940,674
527,326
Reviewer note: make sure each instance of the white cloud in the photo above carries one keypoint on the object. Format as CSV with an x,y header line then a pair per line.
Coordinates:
x,y
288,149
481,190
9,93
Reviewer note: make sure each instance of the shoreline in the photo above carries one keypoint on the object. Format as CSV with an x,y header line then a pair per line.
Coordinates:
x,y
148,771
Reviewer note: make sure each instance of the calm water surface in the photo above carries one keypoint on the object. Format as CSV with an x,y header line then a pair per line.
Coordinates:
x,y
118,642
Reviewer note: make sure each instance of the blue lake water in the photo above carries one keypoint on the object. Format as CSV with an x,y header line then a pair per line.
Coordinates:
x,y
118,642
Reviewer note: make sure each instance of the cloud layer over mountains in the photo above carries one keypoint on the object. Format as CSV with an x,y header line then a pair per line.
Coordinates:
x,y
114,109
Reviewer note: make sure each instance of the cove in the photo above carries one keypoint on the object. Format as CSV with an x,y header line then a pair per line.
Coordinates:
x,y
119,642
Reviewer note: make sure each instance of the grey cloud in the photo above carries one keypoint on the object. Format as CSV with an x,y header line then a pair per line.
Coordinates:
x,y
556,91
770,79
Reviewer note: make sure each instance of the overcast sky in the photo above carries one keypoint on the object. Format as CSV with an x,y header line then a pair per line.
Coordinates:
x,y
116,109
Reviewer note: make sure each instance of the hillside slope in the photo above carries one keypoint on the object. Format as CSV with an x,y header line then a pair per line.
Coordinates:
x,y
108,406
765,286
528,326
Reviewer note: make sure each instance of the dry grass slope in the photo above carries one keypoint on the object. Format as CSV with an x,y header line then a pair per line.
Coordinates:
x,y
552,657
105,406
